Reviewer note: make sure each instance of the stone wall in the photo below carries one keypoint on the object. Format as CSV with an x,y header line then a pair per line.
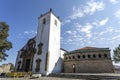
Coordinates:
x,y
89,66
5,68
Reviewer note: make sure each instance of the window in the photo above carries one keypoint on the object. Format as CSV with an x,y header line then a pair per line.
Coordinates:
x,y
73,57
40,48
66,58
94,56
99,55
69,57
44,21
83,56
89,56
37,65
78,56
56,22
105,55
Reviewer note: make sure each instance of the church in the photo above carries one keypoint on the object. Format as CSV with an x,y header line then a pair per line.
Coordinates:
x,y
42,54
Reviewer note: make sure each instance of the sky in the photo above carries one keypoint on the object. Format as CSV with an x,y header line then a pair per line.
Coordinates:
x,y
94,23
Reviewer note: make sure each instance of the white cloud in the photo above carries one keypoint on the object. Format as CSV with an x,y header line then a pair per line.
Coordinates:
x,y
89,9
104,21
69,32
93,6
87,28
114,1
77,13
117,13
107,30
29,34
116,37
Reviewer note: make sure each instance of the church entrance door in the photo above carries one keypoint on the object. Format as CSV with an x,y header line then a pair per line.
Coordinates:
x,y
27,65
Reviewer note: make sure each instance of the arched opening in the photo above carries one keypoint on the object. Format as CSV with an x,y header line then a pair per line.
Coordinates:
x,y
73,66
89,56
94,56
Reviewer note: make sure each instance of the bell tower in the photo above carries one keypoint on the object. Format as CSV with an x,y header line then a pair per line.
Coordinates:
x,y
47,45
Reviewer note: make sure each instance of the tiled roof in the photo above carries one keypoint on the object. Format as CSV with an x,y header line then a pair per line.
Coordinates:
x,y
87,49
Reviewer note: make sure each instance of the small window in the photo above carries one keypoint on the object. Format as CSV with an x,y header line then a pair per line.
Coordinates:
x,y
94,56
66,58
40,46
99,55
78,56
69,57
105,55
83,56
89,56
44,21
56,22
73,57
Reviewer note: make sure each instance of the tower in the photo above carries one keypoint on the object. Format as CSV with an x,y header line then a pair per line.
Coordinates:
x,y
47,59
42,54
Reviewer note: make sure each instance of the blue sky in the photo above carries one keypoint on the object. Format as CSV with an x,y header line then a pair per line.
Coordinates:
x,y
93,23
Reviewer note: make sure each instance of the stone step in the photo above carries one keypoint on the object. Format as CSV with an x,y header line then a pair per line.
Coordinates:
x,y
90,76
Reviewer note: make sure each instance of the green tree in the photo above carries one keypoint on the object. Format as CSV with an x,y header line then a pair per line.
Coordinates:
x,y
12,67
116,56
4,43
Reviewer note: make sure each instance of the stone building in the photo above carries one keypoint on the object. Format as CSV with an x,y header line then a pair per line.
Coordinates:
x,y
42,54
88,60
5,68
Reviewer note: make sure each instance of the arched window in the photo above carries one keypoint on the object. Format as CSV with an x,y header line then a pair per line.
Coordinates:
x,y
94,56
89,56
69,57
37,69
40,48
105,55
73,57
66,58
99,55
78,56
83,56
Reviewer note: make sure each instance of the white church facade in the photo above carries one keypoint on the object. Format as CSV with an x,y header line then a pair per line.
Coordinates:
x,y
42,54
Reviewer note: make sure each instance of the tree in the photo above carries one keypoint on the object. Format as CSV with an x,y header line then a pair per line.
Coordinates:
x,y
4,43
11,67
116,56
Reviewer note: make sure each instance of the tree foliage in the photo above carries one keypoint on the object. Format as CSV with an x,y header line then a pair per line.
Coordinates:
x,y
11,67
4,43
116,56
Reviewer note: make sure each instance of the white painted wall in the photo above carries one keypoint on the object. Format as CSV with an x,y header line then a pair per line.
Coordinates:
x,y
54,45
49,35
42,37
